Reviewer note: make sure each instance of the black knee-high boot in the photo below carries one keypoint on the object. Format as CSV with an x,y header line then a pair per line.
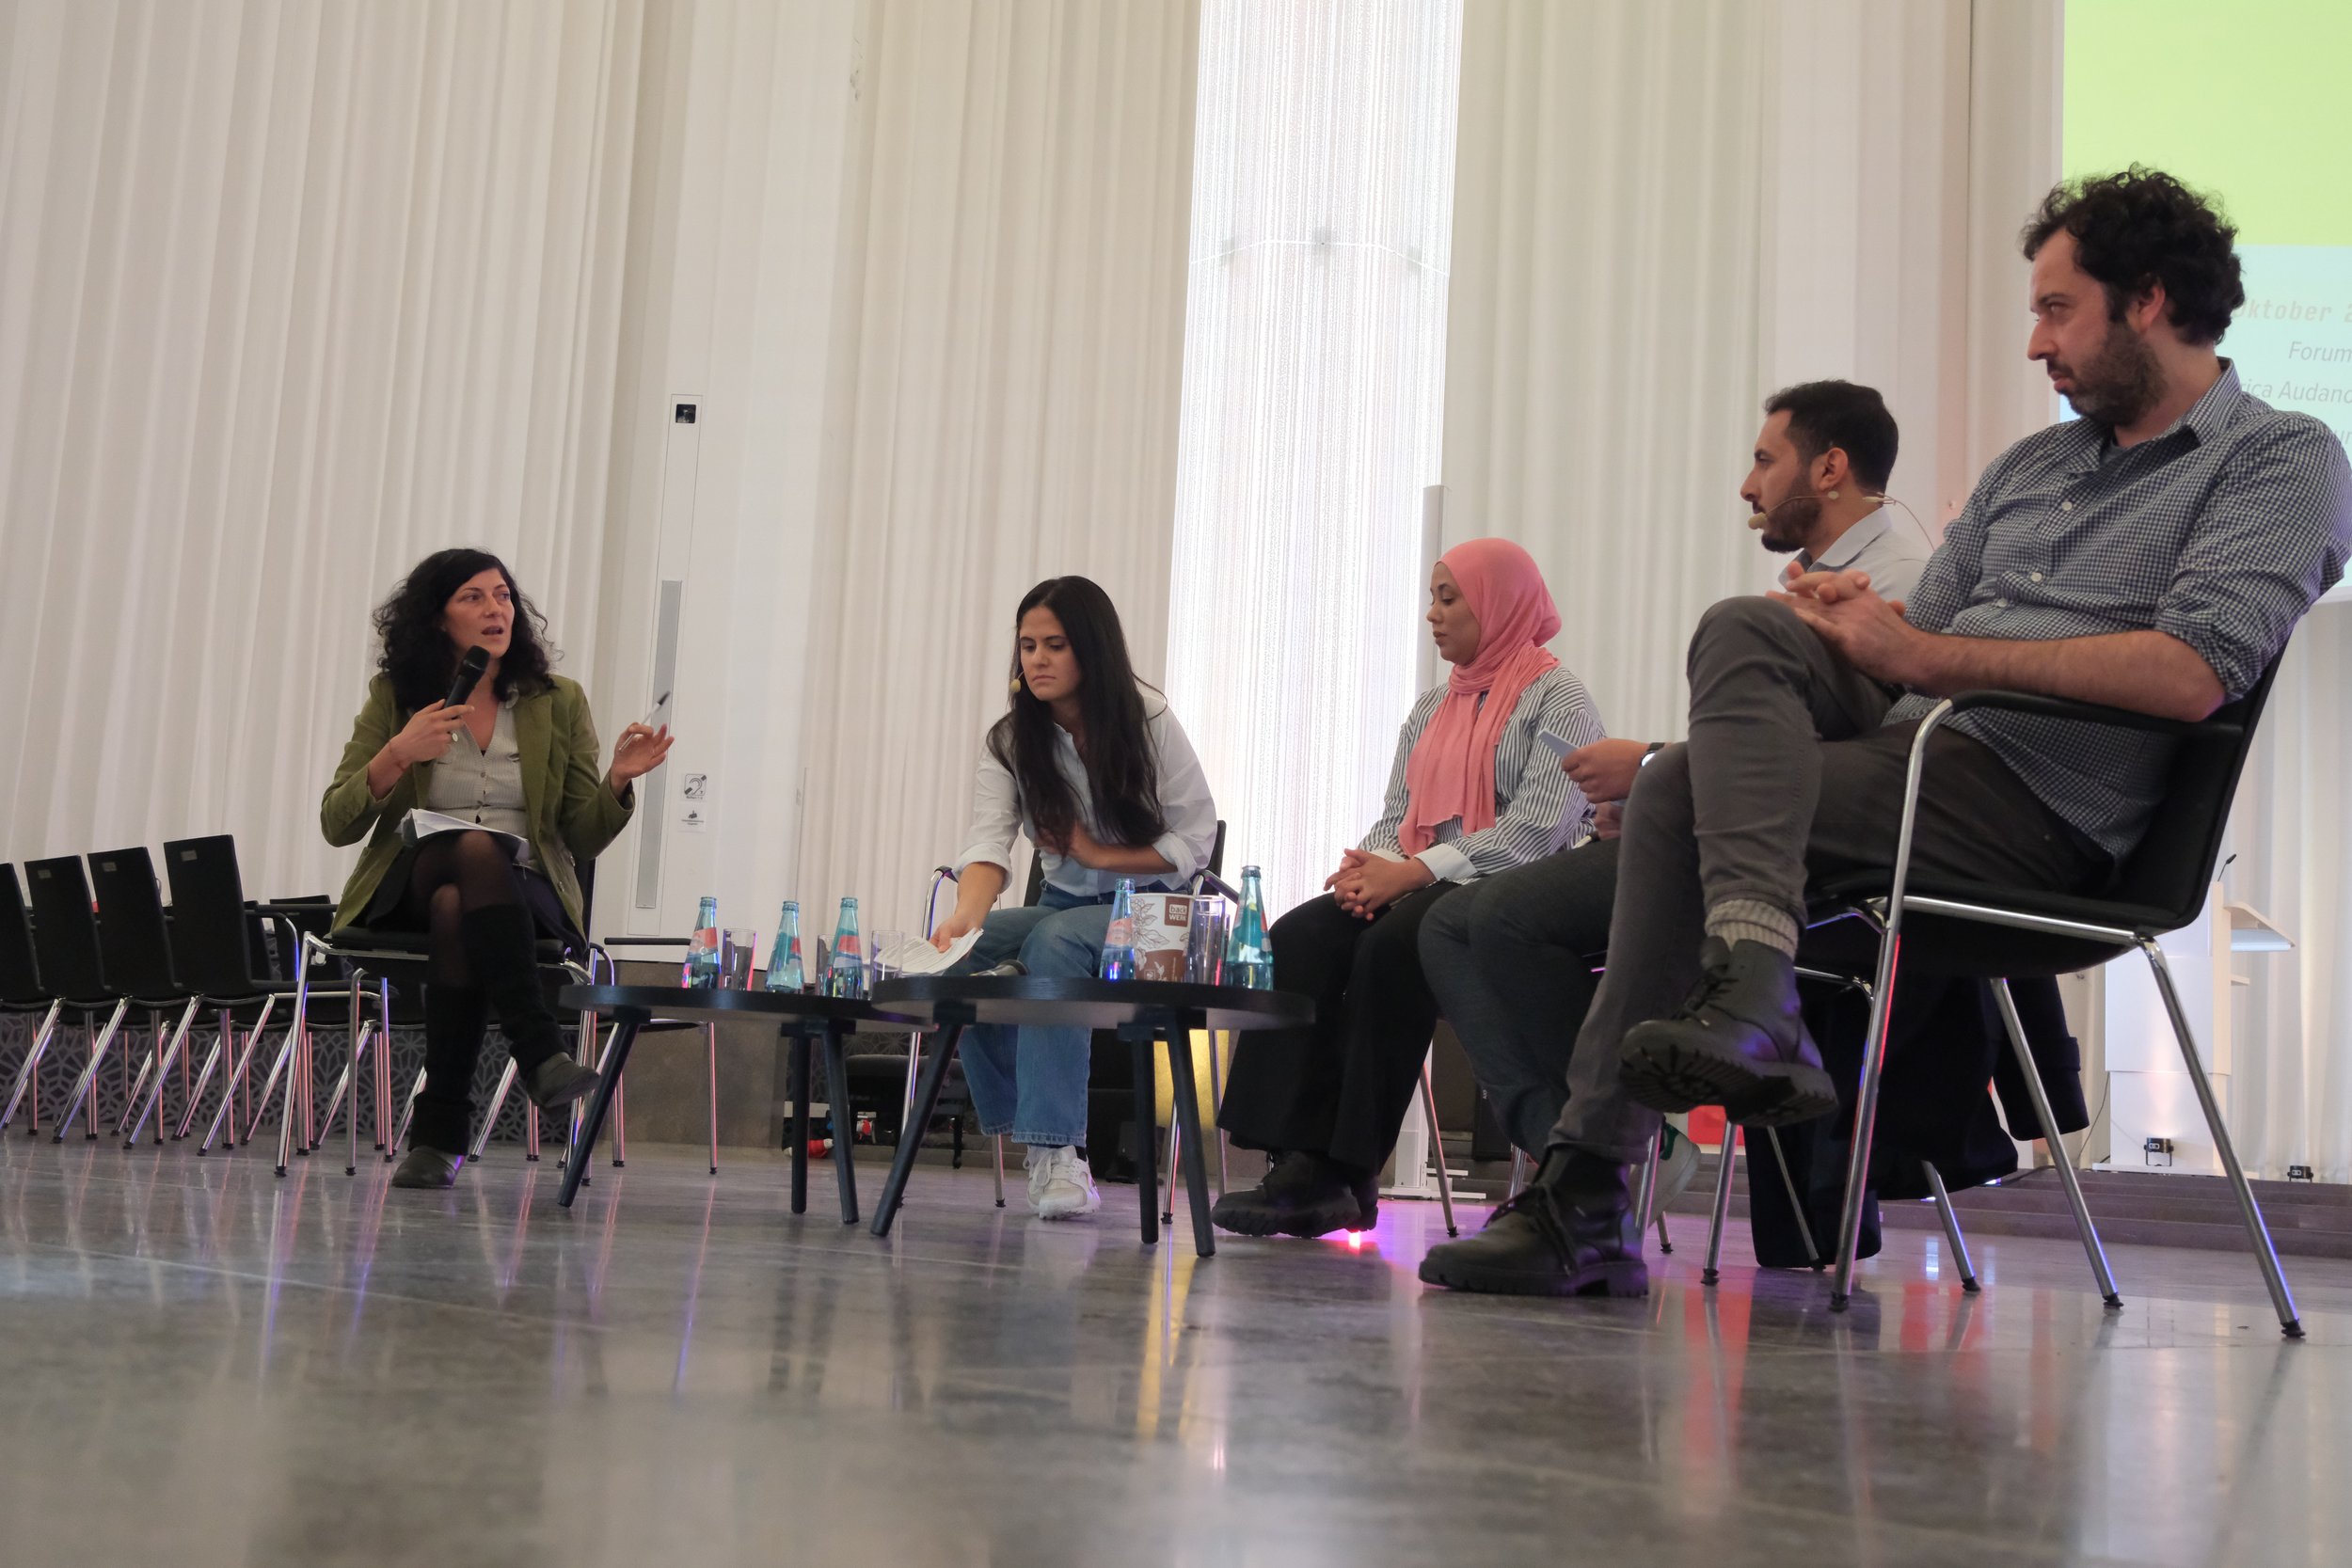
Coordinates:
x,y
501,944
454,1017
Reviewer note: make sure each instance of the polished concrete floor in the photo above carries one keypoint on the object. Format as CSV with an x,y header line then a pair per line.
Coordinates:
x,y
200,1363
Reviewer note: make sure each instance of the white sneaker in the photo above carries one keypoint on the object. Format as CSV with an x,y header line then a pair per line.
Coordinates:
x,y
1061,1187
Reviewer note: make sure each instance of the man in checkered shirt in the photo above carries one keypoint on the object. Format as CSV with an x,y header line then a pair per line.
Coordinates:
x,y
2152,555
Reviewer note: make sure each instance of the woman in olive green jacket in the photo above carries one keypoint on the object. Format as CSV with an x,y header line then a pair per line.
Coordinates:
x,y
508,777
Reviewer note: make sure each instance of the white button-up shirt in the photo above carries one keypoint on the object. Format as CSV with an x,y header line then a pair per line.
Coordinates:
x,y
1186,806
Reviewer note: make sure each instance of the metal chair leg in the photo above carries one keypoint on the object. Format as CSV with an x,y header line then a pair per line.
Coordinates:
x,y
237,1074
360,1040
383,1062
223,1037
1518,1172
1175,1147
400,1133
999,1141
1713,1271
1953,1237
1865,1096
2058,1157
138,1087
620,1125
2266,1255
1436,1146
1796,1204
30,1072
163,1060
1644,1187
89,1071
710,1041
498,1103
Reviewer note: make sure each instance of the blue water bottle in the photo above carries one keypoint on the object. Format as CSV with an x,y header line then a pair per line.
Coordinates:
x,y
1119,942
1249,953
846,975
702,953
783,964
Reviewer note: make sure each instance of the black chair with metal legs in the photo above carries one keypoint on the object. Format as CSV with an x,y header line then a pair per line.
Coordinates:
x,y
65,942
134,947
22,994
213,929
1993,933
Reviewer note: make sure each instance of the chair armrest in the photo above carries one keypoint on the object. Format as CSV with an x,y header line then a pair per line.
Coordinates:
x,y
645,941
1215,883
2088,713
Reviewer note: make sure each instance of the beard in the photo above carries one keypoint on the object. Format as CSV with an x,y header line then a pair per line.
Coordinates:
x,y
1789,522
2118,384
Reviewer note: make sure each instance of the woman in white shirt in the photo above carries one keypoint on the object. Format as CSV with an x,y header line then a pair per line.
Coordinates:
x,y
1472,793
1094,768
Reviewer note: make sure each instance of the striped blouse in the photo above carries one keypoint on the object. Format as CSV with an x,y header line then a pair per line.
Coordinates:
x,y
1538,811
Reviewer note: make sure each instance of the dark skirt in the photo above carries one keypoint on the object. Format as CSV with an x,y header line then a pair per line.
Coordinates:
x,y
392,909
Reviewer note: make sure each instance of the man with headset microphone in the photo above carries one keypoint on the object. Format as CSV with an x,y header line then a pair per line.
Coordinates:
x,y
1506,955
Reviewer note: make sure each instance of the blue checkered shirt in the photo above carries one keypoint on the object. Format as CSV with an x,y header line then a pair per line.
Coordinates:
x,y
2221,531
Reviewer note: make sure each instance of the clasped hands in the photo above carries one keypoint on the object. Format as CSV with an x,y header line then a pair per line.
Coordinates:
x,y
1366,883
1867,631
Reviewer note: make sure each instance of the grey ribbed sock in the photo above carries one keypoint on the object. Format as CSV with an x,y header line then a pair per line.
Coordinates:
x,y
1753,920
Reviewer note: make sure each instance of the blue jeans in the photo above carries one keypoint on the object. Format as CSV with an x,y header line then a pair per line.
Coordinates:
x,y
1028,1082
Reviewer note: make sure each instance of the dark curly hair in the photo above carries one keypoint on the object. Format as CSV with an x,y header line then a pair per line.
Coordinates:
x,y
2141,228
419,659
1123,774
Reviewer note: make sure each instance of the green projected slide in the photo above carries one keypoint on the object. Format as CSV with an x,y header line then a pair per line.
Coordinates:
x,y
2249,100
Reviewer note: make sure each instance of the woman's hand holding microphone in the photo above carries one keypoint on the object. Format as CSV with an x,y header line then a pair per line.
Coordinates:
x,y
427,738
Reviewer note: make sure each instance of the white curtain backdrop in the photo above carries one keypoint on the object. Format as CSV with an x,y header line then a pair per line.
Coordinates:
x,y
1008,347
1315,365
290,295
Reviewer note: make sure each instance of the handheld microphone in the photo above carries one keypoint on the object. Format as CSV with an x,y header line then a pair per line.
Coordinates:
x,y
1011,969
469,676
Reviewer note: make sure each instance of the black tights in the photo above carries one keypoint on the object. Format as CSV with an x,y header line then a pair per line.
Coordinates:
x,y
452,875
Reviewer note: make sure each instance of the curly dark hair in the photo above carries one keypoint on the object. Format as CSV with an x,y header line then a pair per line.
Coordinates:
x,y
1123,774
419,659
2141,228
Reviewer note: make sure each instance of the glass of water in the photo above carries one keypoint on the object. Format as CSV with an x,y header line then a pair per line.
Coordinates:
x,y
737,946
1205,941
883,964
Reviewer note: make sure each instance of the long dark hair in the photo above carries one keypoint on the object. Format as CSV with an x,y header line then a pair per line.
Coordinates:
x,y
418,657
1123,775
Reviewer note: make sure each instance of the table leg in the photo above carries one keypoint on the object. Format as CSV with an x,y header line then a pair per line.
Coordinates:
x,y
1147,1136
624,1027
1187,1118
844,1122
799,1122
911,1132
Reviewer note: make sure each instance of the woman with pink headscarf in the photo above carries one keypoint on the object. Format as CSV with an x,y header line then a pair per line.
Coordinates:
x,y
1472,793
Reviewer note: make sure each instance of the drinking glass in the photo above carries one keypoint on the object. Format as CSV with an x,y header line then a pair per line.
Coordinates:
x,y
882,965
1205,941
736,946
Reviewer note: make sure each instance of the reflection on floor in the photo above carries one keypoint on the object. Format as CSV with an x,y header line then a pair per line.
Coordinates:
x,y
200,1363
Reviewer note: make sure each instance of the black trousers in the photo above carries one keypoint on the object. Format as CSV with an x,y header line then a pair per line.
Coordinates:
x,y
1339,1088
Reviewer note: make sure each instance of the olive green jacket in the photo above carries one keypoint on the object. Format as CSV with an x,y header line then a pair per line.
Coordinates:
x,y
573,813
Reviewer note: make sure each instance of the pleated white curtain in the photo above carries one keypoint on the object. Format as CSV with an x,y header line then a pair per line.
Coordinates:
x,y
1006,361
1604,362
1314,366
290,296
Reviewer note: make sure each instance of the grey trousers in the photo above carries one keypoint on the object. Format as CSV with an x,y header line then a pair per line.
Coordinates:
x,y
1506,957
1786,774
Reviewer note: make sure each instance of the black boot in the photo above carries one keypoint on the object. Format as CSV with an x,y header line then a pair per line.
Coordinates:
x,y
1737,1041
1572,1232
502,942
1304,1195
454,1017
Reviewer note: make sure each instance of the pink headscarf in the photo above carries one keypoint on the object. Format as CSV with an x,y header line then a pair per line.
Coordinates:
x,y
1452,771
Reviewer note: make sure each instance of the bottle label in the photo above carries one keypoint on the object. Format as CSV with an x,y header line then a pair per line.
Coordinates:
x,y
1122,934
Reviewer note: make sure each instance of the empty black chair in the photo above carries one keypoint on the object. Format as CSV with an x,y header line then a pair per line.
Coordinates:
x,y
65,942
134,946
1995,934
22,994
212,933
